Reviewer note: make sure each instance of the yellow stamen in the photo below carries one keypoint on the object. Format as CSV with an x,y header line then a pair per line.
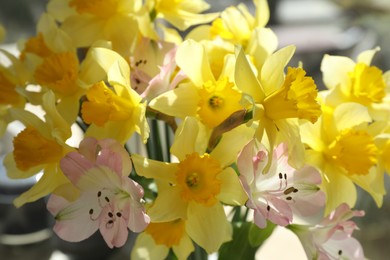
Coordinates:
x,y
32,149
59,73
99,8
8,94
167,233
218,100
37,46
197,178
104,105
367,84
295,99
354,150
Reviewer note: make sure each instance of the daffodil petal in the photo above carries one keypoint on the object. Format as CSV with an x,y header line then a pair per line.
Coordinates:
x,y
145,248
348,115
335,70
311,134
186,139
373,183
338,188
245,77
154,169
13,171
208,226
168,206
227,149
180,102
184,249
262,12
50,180
191,57
232,192
272,73
367,56
115,65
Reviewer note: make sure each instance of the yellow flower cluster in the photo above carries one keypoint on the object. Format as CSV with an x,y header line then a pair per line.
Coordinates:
x,y
115,67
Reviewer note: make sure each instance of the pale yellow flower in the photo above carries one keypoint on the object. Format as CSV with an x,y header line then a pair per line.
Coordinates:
x,y
158,238
210,100
278,100
39,147
340,145
193,188
114,110
360,82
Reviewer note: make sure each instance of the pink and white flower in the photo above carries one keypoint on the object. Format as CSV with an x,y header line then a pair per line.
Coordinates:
x,y
108,199
281,192
332,238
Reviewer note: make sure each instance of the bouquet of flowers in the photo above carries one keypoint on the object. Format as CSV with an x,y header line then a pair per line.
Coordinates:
x,y
195,134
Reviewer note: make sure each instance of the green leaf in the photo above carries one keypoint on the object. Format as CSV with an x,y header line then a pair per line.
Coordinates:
x,y
247,238
257,236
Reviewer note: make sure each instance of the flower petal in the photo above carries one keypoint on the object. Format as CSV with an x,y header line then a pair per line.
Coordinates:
x,y
335,70
227,149
232,192
145,249
348,115
208,226
168,206
272,73
154,169
191,57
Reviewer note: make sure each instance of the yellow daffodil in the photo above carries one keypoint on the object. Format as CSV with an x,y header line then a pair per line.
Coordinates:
x,y
341,147
360,82
113,108
193,188
40,146
159,238
183,13
89,21
9,96
210,100
236,24
279,100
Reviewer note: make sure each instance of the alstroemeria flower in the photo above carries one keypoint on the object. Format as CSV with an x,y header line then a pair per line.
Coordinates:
x,y
332,238
193,188
342,148
360,82
158,238
281,191
279,100
209,99
40,146
109,200
153,68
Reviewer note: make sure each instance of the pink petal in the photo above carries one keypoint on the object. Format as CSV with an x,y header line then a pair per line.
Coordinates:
x,y
113,225
74,165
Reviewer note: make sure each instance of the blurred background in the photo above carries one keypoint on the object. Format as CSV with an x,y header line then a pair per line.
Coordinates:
x,y
316,27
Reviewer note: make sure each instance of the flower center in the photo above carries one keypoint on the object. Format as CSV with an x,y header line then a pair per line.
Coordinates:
x,y
104,105
167,233
59,73
354,150
366,84
197,178
295,99
99,8
218,100
7,89
37,46
32,149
